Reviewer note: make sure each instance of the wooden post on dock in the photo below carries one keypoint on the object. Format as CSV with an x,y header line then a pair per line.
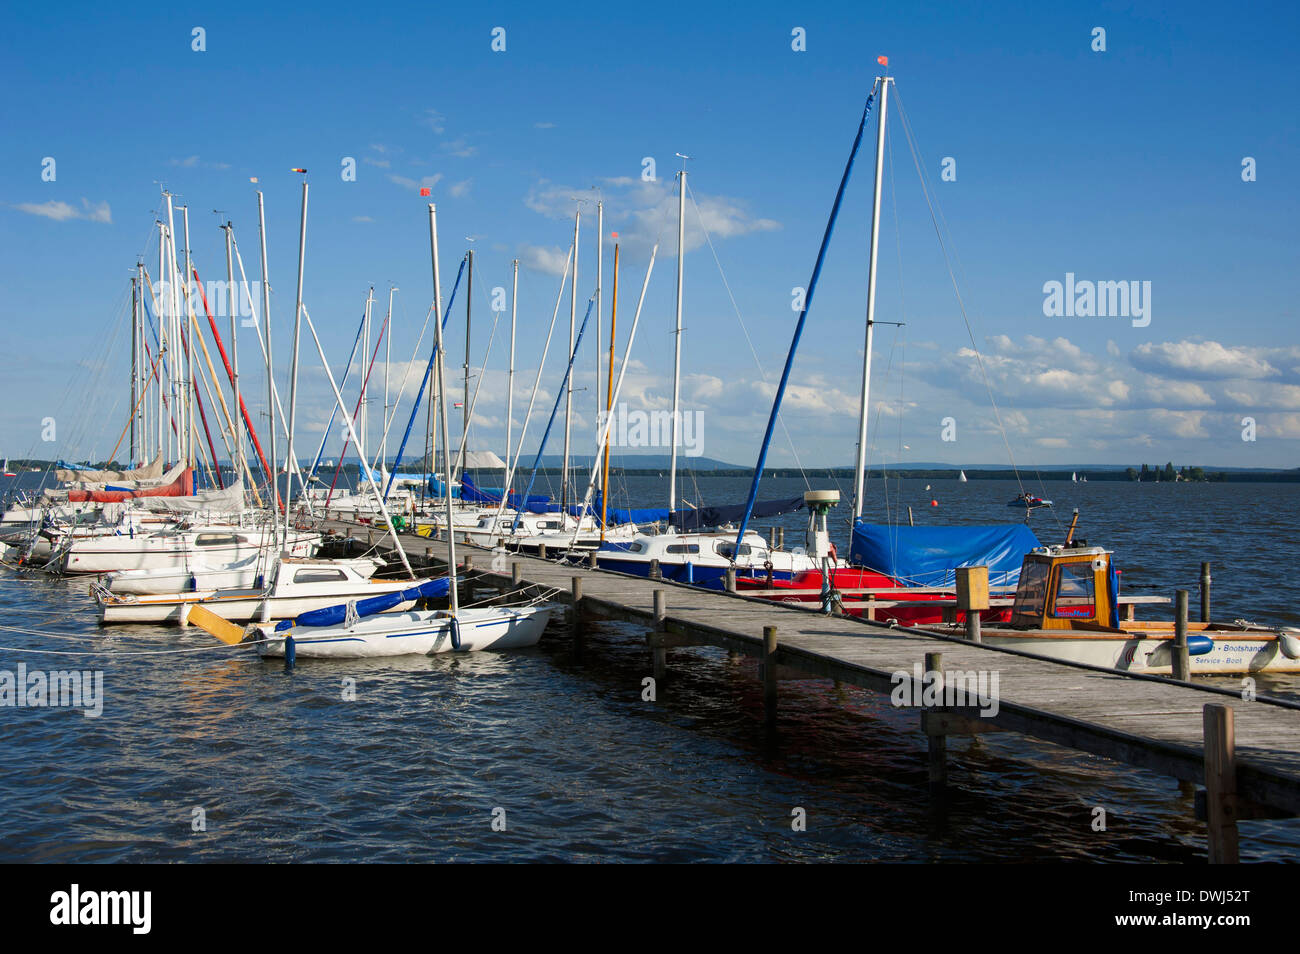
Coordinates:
x,y
575,618
655,572
769,675
660,654
1205,592
541,550
972,596
870,611
1221,783
938,756
731,579
591,559
516,573
1182,660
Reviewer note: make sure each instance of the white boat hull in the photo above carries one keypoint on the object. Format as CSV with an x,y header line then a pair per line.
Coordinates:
x,y
1232,653
414,634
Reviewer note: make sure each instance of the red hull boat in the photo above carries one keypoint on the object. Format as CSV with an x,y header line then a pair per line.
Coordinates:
x,y
905,605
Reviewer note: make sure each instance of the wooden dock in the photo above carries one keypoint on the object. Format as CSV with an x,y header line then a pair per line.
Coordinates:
x,y
1245,753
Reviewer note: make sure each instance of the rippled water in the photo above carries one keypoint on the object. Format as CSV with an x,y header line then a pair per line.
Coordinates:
x,y
285,769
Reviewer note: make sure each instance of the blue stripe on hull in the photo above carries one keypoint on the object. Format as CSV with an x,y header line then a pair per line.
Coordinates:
x,y
710,577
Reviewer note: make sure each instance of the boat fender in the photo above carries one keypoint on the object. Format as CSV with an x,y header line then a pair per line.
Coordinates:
x,y
454,626
1289,642
1198,644
193,583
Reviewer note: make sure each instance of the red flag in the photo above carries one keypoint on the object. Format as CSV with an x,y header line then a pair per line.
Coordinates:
x,y
297,170
425,190
882,60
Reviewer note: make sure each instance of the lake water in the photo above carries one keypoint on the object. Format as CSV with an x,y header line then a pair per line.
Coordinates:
x,y
431,752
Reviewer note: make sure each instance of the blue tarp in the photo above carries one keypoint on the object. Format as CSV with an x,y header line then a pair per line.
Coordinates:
x,y
929,556
492,495
333,615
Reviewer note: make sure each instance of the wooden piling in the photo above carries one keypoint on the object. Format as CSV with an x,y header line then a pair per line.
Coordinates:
x,y
591,559
769,675
655,572
938,755
1205,592
731,579
575,616
1182,660
541,550
659,653
1221,782
516,573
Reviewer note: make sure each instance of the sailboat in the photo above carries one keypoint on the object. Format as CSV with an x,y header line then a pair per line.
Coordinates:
x,y
1074,478
7,471
961,476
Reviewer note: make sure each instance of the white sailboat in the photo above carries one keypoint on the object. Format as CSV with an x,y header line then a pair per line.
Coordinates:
x,y
961,476
1074,478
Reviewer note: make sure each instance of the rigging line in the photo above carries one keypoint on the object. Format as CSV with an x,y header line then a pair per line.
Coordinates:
x,y
744,329
961,304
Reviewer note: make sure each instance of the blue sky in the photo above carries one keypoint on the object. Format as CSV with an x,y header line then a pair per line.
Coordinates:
x,y
1122,165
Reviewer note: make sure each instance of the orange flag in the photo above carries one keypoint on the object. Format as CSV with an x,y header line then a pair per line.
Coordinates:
x,y
882,60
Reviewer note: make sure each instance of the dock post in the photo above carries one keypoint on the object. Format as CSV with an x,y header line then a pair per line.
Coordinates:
x,y
516,573
870,611
655,572
1182,660
591,559
1205,592
731,579
575,618
972,596
1221,783
938,757
769,675
659,653
541,550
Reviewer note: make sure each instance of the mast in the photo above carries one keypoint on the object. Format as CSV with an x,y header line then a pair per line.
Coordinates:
x,y
160,310
232,304
677,338
174,433
510,374
135,343
297,334
609,396
568,395
270,375
600,275
859,472
140,440
442,407
190,433
362,424
469,301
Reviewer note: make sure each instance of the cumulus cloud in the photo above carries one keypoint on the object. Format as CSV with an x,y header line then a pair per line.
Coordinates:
x,y
1202,359
62,211
540,258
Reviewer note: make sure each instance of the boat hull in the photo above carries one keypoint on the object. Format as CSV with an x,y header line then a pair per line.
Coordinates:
x,y
414,634
1232,653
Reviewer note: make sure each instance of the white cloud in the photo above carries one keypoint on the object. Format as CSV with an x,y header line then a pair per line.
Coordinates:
x,y
62,211
1202,359
426,182
460,189
547,259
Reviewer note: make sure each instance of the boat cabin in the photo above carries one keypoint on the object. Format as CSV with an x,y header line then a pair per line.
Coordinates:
x,y
1066,588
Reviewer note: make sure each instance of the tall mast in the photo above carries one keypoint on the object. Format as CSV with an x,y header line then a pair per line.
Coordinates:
x,y
190,433
142,445
270,375
677,337
160,315
232,302
135,368
175,432
297,334
442,406
362,424
469,299
609,396
510,374
859,472
568,395
600,275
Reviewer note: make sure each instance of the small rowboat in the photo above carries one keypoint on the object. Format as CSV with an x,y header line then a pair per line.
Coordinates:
x,y
1029,502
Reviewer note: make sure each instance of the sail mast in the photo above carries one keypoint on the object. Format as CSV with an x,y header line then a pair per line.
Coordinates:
x,y
568,395
859,472
388,361
442,408
510,374
677,338
232,296
297,335
190,432
609,395
271,398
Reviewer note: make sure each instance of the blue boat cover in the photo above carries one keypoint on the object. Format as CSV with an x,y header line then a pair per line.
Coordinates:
x,y
333,615
929,556
492,495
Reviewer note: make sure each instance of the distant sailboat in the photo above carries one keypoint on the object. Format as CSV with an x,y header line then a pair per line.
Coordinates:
x,y
7,471
961,476
1074,478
